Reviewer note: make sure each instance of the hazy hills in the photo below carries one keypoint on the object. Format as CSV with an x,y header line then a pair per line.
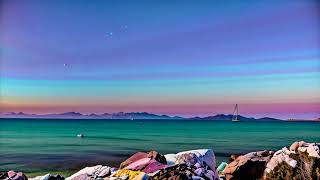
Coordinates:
x,y
130,115
228,117
77,115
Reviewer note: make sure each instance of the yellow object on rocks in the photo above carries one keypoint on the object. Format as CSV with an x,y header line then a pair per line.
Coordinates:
x,y
125,172
141,176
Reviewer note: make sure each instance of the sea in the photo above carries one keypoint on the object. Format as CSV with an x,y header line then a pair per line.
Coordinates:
x,y
46,145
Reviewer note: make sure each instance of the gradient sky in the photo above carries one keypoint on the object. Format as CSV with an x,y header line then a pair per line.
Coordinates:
x,y
179,58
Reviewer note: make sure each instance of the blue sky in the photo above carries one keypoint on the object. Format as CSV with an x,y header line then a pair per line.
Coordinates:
x,y
178,58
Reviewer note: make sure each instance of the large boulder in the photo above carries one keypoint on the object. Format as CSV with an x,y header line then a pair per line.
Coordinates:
x,y
142,156
300,161
203,156
203,161
313,149
12,175
249,166
135,157
146,162
188,165
281,157
139,164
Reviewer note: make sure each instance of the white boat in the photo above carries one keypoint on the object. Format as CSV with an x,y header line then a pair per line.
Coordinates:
x,y
80,135
235,114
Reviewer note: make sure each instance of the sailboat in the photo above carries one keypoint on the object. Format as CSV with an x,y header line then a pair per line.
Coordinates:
x,y
235,114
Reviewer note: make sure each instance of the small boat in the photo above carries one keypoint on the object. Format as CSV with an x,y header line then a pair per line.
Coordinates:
x,y
235,114
80,135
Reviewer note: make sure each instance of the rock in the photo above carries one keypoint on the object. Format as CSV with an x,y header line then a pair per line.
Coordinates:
x,y
302,161
294,146
170,158
199,171
189,165
154,166
233,157
48,177
16,175
211,175
91,172
178,171
137,156
313,150
148,164
3,175
40,177
157,156
189,159
142,155
202,160
249,166
139,164
204,156
279,157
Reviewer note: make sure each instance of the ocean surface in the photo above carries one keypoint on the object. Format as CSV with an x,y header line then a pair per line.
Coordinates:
x,y
39,145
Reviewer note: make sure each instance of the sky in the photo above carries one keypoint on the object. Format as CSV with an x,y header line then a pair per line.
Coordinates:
x,y
187,58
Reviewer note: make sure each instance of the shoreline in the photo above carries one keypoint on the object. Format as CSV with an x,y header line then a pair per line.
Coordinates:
x,y
110,160
269,162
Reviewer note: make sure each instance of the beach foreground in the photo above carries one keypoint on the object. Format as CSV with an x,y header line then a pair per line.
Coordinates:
x,y
299,161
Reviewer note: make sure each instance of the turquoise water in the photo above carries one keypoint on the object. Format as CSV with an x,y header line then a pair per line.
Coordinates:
x,y
33,145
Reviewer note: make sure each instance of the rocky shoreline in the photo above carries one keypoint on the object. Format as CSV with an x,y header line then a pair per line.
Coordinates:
x,y
299,161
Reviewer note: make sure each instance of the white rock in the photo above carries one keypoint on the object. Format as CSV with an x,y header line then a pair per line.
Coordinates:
x,y
91,171
170,158
280,157
204,155
313,150
40,177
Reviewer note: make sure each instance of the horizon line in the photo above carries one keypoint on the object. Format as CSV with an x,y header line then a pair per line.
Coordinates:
x,y
157,114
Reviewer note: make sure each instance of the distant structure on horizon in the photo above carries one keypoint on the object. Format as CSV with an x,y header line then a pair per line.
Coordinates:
x,y
292,119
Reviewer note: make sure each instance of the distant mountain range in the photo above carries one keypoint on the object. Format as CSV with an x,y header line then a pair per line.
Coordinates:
x,y
228,117
77,115
130,115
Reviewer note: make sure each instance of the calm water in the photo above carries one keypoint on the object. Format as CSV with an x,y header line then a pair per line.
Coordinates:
x,y
42,145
